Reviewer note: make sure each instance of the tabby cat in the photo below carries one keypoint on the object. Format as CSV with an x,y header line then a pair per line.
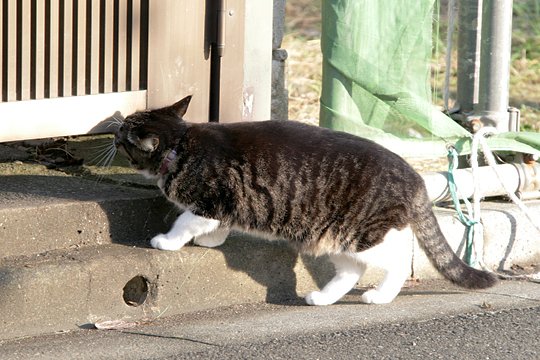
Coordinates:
x,y
326,192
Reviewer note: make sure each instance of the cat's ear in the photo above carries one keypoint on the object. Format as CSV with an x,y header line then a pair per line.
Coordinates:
x,y
179,108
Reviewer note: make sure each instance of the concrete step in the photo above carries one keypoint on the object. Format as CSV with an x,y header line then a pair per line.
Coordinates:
x,y
46,212
64,289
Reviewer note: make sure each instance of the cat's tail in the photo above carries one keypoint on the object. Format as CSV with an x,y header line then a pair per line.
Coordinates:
x,y
441,255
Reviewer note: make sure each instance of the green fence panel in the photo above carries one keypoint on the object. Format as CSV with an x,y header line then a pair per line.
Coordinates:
x,y
376,79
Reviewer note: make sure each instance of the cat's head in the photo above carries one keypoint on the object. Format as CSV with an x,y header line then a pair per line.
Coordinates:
x,y
146,137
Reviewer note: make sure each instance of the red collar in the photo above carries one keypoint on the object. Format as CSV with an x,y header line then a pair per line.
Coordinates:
x,y
171,156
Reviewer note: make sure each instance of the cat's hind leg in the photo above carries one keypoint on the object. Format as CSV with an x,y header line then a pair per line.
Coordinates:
x,y
213,239
185,228
348,272
394,255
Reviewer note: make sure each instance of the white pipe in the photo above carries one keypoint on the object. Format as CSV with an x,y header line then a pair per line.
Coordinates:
x,y
524,179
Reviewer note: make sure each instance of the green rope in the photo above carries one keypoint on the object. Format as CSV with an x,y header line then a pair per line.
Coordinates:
x,y
467,221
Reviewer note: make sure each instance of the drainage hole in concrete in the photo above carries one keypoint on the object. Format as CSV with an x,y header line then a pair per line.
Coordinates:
x,y
136,291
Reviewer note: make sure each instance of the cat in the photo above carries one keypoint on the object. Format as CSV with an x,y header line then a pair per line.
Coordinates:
x,y
324,191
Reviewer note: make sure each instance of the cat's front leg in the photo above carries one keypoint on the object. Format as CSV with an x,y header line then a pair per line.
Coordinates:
x,y
185,228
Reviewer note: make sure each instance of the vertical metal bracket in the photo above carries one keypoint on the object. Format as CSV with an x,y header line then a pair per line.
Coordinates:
x,y
221,22
217,50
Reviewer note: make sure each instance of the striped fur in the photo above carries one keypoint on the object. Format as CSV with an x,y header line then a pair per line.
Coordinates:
x,y
326,192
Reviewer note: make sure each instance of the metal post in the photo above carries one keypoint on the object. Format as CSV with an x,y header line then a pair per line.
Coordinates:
x,y
522,178
217,15
468,54
492,105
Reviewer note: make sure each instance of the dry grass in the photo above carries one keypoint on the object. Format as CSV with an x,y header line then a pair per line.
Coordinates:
x,y
304,64
303,78
525,91
302,41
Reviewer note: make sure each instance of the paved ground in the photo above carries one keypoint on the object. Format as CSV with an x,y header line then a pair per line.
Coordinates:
x,y
511,334
429,320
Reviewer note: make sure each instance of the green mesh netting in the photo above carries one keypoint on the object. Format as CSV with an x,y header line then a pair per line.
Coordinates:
x,y
376,72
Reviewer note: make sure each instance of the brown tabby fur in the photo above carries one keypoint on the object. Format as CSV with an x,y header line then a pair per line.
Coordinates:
x,y
324,191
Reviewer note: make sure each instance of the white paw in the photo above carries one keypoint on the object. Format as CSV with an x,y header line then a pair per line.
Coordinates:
x,y
317,298
374,296
161,242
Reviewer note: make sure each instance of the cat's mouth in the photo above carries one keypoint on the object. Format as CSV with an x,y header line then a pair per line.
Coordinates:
x,y
122,149
117,143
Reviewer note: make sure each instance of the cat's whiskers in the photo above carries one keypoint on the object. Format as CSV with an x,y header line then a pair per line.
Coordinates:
x,y
105,159
101,146
109,157
104,156
115,121
106,153
98,155
118,117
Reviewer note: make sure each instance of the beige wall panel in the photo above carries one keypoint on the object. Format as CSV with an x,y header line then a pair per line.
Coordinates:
x,y
177,66
26,50
232,64
1,58
12,54
53,86
68,46
257,92
81,47
94,78
135,44
40,49
122,23
108,46
25,119
246,67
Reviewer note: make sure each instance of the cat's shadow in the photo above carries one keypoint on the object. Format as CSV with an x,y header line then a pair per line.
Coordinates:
x,y
277,267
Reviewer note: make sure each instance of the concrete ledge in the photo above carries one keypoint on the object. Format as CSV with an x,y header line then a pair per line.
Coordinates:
x,y
43,213
62,290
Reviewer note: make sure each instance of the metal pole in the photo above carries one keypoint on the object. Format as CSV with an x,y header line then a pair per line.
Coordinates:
x,y
495,53
523,178
217,14
468,54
